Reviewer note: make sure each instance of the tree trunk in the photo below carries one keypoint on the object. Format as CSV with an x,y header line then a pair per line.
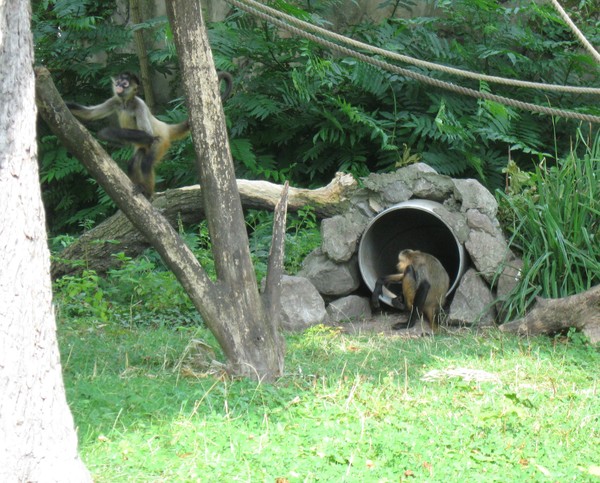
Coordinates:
x,y
231,307
38,440
116,234
140,47
549,316
253,341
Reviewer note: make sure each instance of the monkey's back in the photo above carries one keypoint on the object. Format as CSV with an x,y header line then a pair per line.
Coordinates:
x,y
431,269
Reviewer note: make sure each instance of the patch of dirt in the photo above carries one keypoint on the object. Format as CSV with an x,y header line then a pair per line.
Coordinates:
x,y
382,324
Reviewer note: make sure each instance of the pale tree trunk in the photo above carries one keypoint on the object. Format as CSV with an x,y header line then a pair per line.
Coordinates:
x,y
37,436
244,323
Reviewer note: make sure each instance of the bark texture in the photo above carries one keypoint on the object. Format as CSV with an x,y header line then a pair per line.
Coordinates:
x,y
116,234
37,435
252,341
549,316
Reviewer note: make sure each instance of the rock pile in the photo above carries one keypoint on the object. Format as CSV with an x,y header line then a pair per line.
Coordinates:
x,y
336,291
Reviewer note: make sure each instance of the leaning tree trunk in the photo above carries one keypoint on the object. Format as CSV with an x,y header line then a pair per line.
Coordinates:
x,y
184,205
37,436
231,307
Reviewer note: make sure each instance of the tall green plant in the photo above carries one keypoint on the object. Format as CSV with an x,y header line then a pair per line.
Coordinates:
x,y
554,223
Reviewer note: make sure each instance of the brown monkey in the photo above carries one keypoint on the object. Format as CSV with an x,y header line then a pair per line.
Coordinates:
x,y
150,137
425,283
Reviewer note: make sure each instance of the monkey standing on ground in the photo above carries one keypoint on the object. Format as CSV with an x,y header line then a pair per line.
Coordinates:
x,y
150,137
425,283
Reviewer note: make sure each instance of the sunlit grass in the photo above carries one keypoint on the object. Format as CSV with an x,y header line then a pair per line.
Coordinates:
x,y
350,408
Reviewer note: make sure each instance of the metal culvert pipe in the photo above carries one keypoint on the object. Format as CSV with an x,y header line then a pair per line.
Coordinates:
x,y
413,224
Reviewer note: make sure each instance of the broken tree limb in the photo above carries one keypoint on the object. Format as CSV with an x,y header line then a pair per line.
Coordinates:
x,y
272,292
95,248
550,316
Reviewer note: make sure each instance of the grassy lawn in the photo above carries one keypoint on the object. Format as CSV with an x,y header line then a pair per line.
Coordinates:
x,y
350,408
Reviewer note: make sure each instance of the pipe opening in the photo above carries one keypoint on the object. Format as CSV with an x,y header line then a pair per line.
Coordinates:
x,y
412,224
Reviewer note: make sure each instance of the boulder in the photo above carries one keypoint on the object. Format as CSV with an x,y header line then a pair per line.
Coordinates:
x,y
348,308
473,302
301,304
331,278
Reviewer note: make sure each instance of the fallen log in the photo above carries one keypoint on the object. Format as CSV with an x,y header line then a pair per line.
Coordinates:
x,y
551,316
95,248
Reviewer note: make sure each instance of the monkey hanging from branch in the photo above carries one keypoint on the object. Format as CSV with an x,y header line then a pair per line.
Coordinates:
x,y
425,284
150,137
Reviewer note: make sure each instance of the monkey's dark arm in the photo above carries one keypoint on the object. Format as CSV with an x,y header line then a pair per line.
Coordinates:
x,y
379,284
417,306
124,136
377,291
93,113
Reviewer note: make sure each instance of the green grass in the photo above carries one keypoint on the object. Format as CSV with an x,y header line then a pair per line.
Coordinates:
x,y
350,408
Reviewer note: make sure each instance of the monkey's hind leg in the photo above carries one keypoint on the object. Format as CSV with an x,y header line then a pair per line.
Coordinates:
x,y
418,305
137,170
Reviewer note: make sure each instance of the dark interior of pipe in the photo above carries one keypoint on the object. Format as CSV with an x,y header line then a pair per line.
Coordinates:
x,y
403,228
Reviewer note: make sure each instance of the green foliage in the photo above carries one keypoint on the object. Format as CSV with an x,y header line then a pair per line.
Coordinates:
x,y
553,218
137,294
350,408
301,112
302,237
78,40
316,112
67,208
143,292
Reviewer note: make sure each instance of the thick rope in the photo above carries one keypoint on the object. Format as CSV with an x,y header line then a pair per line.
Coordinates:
x,y
270,12
414,75
588,46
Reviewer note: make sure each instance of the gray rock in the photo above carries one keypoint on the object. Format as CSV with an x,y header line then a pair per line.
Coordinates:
x,y
456,222
475,195
487,252
349,308
340,235
330,278
301,304
473,302
433,186
509,277
479,221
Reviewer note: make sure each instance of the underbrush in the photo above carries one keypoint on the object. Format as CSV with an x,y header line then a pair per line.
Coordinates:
x,y
349,408
552,216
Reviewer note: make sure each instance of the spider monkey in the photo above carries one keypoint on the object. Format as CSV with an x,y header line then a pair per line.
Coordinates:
x,y
425,283
150,137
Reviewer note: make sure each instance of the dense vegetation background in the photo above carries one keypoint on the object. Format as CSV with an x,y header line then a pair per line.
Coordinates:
x,y
151,407
300,112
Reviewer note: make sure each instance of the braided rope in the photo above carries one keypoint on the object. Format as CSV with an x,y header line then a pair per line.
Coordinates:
x,y
414,75
589,47
407,59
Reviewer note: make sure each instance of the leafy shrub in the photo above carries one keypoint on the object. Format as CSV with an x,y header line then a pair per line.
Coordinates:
x,y
302,236
553,218
143,292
